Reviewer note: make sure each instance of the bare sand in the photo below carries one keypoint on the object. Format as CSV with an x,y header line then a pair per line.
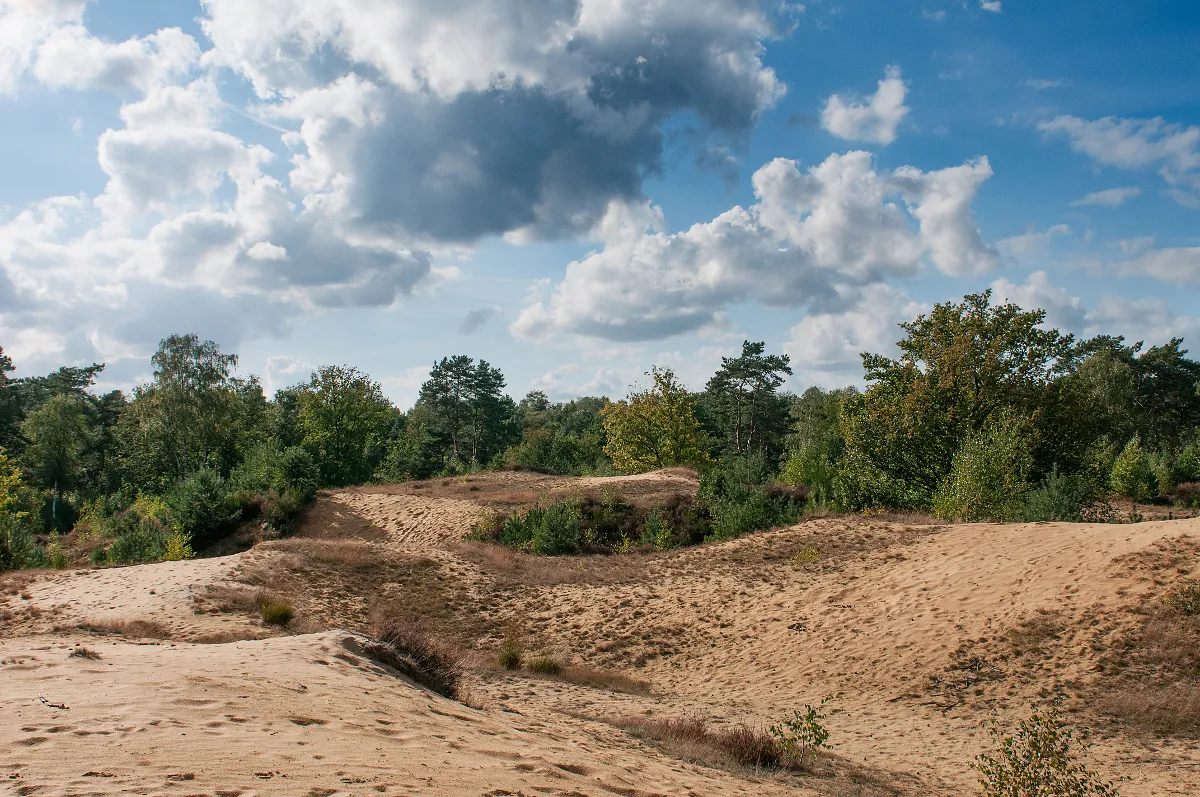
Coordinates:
x,y
876,613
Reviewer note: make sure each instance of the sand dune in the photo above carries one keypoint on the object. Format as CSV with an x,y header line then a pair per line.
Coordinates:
x,y
879,614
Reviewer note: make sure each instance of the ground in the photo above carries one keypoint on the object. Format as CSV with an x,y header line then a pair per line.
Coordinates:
x,y
919,632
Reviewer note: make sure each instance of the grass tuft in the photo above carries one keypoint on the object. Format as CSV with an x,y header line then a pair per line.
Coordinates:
x,y
409,649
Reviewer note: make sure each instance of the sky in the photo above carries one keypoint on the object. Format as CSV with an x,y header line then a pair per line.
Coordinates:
x,y
575,190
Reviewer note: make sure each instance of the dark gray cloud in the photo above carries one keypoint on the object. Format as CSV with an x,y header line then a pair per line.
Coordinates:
x,y
476,319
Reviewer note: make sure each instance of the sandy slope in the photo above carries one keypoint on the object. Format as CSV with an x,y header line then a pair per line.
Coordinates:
x,y
302,715
746,630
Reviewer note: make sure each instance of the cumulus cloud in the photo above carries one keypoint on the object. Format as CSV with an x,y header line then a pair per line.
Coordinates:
x,y
813,239
1148,320
1063,311
995,6
1179,265
874,118
513,117
1109,197
24,25
825,347
71,57
1138,144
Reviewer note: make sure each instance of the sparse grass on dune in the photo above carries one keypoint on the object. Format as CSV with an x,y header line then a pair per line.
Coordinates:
x,y
133,629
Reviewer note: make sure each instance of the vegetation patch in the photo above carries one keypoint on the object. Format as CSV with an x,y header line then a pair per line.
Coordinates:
x,y
412,651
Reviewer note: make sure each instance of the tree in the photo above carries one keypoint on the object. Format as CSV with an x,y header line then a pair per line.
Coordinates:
x,y
655,428
189,399
345,419
815,444
959,366
57,434
743,393
989,474
470,418
10,406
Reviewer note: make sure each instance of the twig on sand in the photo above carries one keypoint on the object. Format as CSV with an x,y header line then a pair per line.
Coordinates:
x,y
46,702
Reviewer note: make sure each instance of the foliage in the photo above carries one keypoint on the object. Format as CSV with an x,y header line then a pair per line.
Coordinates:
x,y
56,435
655,428
1132,475
1038,760
202,505
1187,494
469,417
345,420
546,530
987,475
1058,498
804,734
743,392
512,651
815,445
18,546
268,468
545,664
959,367
739,500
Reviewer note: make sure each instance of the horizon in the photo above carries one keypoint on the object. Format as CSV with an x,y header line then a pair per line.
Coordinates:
x,y
583,191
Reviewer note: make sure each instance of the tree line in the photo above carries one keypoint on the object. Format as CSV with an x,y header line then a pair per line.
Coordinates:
x,y
985,414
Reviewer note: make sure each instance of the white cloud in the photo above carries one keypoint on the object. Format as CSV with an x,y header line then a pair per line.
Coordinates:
x,y
1179,265
1109,197
812,239
1138,144
71,57
873,119
1041,84
825,347
933,15
1148,320
1063,311
995,6
24,25
1019,246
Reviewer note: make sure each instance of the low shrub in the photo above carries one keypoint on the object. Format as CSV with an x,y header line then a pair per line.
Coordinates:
x,y
19,548
803,735
1184,599
1187,495
83,653
1058,498
1133,473
409,649
545,664
1039,758
203,506
512,652
275,610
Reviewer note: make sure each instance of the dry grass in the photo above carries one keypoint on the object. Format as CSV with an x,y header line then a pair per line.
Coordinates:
x,y
81,652
218,598
605,680
1032,635
412,651
509,568
695,739
1159,710
225,635
131,629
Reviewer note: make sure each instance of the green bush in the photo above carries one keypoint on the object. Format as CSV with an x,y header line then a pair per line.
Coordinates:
x,y
19,548
203,505
275,611
804,734
548,530
987,475
1132,473
1059,498
1038,759
739,501
145,540
268,468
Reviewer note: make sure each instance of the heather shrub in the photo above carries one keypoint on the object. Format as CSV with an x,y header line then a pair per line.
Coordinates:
x,y
1187,495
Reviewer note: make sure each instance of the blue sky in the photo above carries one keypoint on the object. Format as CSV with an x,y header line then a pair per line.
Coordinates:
x,y
578,189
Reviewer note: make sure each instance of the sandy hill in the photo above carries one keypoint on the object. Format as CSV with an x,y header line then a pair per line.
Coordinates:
x,y
920,632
